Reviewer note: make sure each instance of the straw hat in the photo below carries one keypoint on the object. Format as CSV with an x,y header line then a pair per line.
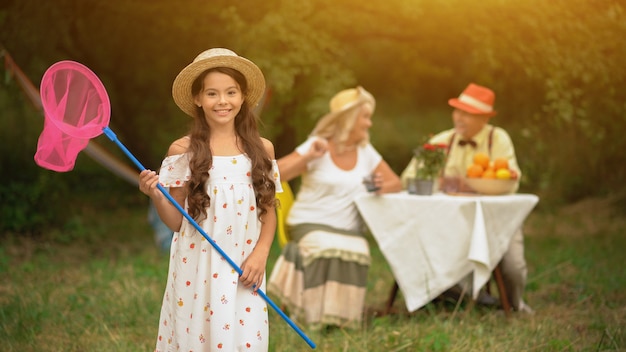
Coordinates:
x,y
475,99
217,57
343,101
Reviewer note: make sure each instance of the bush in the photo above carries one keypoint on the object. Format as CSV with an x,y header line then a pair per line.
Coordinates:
x,y
35,199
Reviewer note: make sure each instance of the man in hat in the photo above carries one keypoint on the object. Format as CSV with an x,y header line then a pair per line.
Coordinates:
x,y
472,134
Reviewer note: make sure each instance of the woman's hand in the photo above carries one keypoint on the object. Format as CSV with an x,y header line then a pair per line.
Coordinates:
x,y
317,149
385,178
375,183
294,164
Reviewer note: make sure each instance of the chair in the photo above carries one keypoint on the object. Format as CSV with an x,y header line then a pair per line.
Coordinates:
x,y
282,210
504,299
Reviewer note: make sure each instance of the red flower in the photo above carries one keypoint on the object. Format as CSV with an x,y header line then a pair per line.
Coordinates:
x,y
431,159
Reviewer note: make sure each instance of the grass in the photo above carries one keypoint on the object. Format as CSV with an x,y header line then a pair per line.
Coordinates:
x,y
97,284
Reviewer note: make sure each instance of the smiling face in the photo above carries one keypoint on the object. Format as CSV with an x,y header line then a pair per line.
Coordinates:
x,y
468,125
220,98
362,124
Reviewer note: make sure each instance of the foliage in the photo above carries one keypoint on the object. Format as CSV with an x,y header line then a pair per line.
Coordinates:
x,y
557,69
562,77
303,65
33,199
26,191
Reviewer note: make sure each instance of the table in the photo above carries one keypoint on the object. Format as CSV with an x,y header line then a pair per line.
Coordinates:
x,y
432,242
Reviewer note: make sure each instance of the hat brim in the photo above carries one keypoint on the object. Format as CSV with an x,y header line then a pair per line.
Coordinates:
x,y
362,97
456,103
181,88
331,117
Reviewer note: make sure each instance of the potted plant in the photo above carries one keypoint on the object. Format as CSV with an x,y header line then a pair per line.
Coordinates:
x,y
430,159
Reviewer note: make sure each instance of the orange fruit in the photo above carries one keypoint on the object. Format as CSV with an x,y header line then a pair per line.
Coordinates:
x,y
489,173
482,159
503,174
500,163
474,171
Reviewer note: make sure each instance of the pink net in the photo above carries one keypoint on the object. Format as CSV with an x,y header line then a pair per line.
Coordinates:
x,y
76,107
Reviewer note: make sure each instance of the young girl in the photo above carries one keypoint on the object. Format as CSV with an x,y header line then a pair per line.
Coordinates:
x,y
224,174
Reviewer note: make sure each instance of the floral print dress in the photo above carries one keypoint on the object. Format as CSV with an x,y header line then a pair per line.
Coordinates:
x,y
205,307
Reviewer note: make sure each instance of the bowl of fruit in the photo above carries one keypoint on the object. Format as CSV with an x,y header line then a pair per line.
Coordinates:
x,y
489,177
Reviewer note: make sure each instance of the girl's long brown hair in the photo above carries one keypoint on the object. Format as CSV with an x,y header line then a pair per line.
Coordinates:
x,y
247,131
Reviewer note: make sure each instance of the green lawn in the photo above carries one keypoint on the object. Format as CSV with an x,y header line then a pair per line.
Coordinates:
x,y
97,285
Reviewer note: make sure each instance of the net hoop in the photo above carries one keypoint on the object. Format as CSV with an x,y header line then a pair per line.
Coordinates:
x,y
64,77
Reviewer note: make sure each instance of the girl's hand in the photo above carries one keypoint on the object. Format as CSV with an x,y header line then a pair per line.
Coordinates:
x,y
148,181
253,269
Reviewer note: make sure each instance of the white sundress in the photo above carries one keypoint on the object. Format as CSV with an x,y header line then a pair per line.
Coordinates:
x,y
205,308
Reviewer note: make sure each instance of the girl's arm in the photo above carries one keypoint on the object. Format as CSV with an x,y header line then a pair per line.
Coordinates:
x,y
148,181
253,267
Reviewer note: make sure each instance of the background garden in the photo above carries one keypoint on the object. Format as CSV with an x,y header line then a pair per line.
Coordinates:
x,y
78,267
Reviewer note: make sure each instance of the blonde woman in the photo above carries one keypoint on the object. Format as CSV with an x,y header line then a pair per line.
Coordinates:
x,y
321,274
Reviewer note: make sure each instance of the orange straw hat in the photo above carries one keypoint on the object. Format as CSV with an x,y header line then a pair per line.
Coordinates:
x,y
475,99
217,57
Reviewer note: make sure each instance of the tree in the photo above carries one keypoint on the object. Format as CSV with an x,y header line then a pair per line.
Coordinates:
x,y
557,68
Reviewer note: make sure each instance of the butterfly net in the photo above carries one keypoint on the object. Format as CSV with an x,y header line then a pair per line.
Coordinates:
x,y
76,108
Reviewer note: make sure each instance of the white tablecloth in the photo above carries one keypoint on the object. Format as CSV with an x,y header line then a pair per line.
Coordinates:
x,y
433,242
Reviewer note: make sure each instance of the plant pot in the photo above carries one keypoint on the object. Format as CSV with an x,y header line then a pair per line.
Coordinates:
x,y
420,187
